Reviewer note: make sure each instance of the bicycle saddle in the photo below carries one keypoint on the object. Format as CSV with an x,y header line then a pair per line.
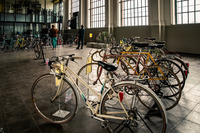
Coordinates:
x,y
140,44
150,38
107,66
160,42
156,45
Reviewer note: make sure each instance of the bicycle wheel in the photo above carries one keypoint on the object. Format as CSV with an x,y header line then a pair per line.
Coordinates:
x,y
174,67
122,66
182,64
164,83
113,51
101,53
3,46
140,117
121,72
90,75
13,43
43,53
116,50
37,50
63,108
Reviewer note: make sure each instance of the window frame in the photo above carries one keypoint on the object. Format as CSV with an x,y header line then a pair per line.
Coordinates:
x,y
134,15
98,12
77,6
188,12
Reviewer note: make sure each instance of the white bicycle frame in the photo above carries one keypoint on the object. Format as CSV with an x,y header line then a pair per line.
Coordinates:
x,y
68,75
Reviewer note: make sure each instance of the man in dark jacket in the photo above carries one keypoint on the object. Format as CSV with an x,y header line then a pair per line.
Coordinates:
x,y
81,33
53,34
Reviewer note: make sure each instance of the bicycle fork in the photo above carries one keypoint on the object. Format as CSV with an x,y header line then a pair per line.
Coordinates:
x,y
60,86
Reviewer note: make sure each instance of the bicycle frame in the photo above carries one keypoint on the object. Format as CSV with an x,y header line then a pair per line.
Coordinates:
x,y
68,74
138,55
133,54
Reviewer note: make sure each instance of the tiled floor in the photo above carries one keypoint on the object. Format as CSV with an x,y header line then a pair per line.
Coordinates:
x,y
18,70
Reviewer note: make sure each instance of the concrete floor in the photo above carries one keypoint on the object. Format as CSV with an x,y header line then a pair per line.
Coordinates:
x,y
18,70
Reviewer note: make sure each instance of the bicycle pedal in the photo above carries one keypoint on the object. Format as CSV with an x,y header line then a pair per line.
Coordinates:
x,y
104,124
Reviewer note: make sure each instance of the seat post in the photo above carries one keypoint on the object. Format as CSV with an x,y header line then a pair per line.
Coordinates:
x,y
140,51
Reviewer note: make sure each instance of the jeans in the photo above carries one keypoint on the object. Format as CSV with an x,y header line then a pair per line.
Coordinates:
x,y
81,40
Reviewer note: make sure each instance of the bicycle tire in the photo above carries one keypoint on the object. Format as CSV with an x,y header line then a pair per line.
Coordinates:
x,y
116,50
101,53
113,51
164,83
63,108
3,46
43,54
91,78
13,43
94,59
175,68
182,64
121,72
37,51
154,115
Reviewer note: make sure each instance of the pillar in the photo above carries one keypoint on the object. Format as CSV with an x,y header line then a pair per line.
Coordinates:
x,y
65,14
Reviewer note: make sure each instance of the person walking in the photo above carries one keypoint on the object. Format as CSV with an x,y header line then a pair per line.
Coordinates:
x,y
53,34
81,33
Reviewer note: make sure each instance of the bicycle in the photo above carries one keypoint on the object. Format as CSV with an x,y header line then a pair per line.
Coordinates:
x,y
156,47
60,39
55,97
39,50
72,41
148,59
163,51
6,44
162,80
30,42
21,42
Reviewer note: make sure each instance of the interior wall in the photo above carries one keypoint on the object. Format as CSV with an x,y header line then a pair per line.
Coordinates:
x,y
95,32
183,38
128,32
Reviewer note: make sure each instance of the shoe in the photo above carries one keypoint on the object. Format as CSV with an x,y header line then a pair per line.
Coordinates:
x,y
77,48
81,47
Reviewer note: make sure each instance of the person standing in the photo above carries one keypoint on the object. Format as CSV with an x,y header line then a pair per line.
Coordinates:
x,y
81,33
53,34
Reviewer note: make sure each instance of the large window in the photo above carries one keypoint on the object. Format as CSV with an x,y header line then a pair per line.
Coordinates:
x,y
75,6
187,11
134,12
97,13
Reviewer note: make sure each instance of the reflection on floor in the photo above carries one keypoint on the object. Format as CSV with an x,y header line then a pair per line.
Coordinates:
x,y
19,69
